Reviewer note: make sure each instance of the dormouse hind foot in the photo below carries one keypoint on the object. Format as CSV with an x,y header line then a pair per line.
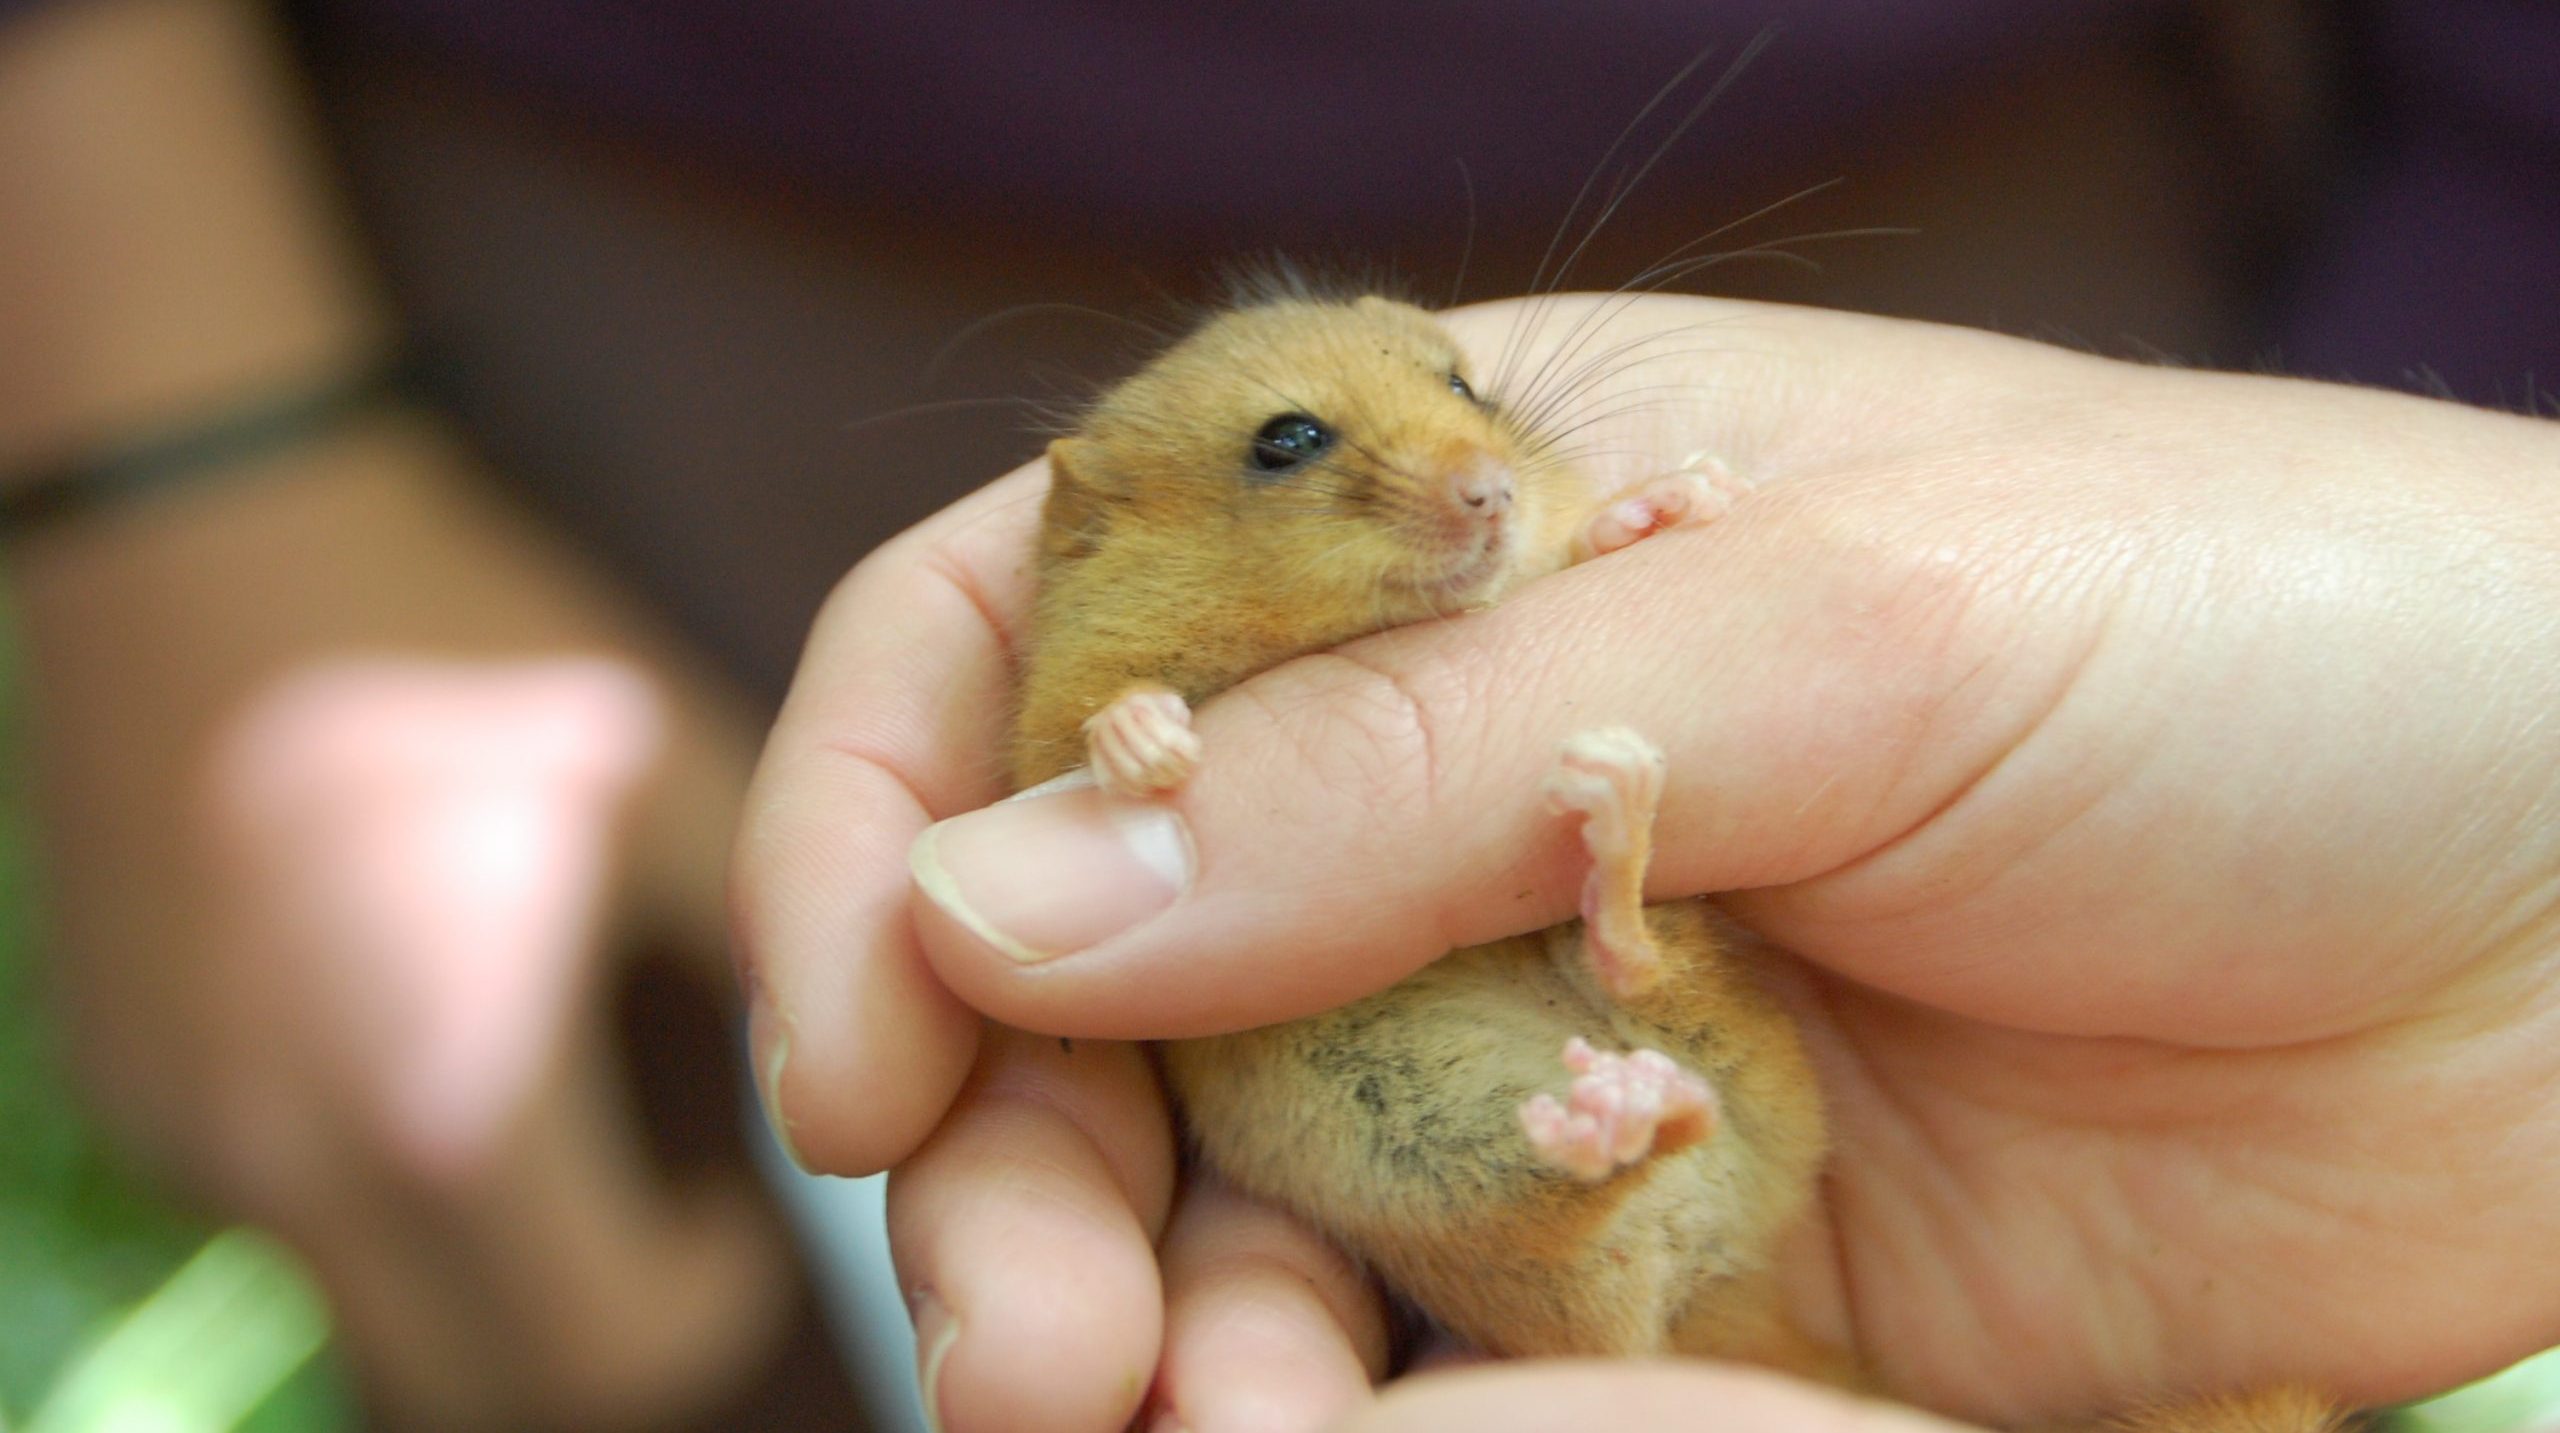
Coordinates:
x,y
1612,778
1142,744
1702,488
1621,1109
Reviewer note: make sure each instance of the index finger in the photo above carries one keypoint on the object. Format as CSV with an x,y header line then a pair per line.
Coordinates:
x,y
895,719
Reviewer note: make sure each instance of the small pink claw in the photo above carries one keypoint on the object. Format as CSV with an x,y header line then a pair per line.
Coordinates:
x,y
1703,488
1142,744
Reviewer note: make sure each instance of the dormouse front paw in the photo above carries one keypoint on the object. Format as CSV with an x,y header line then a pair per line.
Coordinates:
x,y
1702,488
1142,744
1621,1110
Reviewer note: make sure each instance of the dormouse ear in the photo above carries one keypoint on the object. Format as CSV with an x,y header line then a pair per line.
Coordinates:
x,y
1071,519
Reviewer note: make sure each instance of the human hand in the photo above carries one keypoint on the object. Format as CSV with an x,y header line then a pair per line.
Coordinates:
x,y
289,994
2153,769
386,1037
282,983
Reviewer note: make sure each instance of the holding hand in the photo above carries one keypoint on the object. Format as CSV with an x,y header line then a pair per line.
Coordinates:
x,y
2152,768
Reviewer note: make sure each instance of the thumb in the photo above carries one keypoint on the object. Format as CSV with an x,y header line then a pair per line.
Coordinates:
x,y
1359,813
1810,663
1980,703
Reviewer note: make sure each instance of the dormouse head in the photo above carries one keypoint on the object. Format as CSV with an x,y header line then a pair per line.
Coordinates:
x,y
1338,446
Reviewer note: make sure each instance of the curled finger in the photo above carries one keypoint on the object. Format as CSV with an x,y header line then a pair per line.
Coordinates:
x,y
893,721
1024,1233
1268,1327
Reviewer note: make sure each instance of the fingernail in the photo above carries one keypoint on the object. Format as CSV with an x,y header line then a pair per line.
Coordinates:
x,y
769,1045
937,1329
1056,871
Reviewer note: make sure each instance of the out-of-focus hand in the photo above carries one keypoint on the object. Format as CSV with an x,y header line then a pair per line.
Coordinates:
x,y
2154,769
386,1040
296,975
328,927
415,859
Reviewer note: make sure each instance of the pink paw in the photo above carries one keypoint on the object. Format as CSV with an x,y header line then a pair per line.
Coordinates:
x,y
1621,1109
1612,778
1142,743
1703,489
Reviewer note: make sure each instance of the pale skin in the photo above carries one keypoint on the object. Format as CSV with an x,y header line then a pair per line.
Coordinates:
x,y
1620,1109
2153,769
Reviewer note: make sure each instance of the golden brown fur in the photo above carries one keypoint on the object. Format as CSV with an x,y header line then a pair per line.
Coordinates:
x,y
1162,563
1392,1123
1166,561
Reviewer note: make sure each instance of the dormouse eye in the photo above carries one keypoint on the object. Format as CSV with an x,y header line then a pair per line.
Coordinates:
x,y
1289,440
1459,386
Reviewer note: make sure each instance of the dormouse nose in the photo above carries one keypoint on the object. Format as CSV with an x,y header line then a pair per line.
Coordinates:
x,y
1483,485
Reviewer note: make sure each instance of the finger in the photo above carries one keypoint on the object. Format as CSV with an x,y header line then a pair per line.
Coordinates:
x,y
894,719
1024,1235
1267,1326
1636,1397
1367,810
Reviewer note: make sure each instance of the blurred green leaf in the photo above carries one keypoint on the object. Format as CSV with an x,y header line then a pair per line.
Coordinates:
x,y
210,1344
83,1244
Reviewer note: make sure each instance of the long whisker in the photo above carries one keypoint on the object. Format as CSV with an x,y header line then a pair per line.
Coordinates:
x,y
1597,368
976,329
1653,276
1538,284
1591,378
1467,250
1663,274
1672,269
1745,221
1547,283
1594,369
1610,415
1773,251
1697,111
1770,249
1052,414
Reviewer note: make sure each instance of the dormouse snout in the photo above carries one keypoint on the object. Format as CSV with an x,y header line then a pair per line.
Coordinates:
x,y
1484,485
